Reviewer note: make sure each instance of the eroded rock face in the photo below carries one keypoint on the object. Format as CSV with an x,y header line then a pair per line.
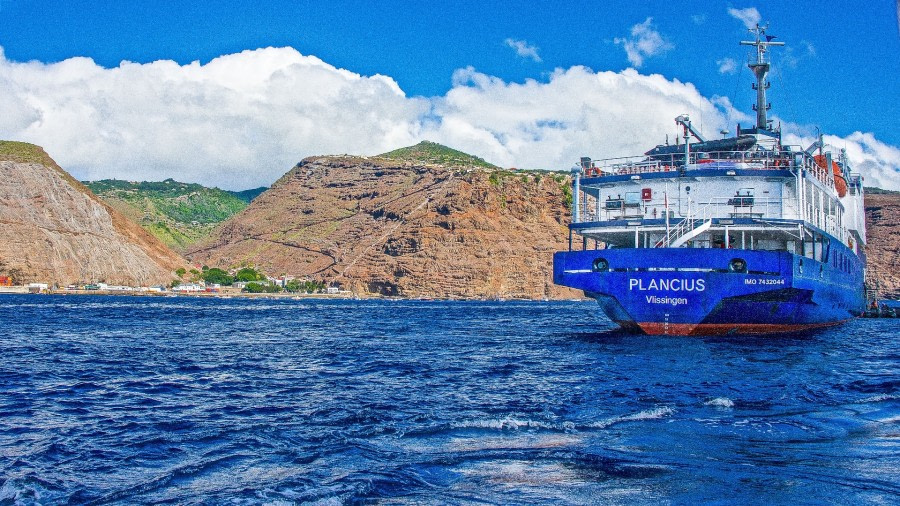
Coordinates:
x,y
399,228
54,230
883,249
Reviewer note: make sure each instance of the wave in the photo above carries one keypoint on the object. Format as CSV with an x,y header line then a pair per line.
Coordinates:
x,y
878,398
507,423
720,402
647,414
510,423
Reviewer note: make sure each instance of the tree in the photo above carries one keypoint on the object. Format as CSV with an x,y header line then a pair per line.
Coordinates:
x,y
181,271
254,287
217,276
293,286
249,274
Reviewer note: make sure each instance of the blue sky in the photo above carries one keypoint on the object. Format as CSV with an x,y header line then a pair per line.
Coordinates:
x,y
840,70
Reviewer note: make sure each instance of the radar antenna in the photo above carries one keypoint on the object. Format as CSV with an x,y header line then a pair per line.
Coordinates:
x,y
760,68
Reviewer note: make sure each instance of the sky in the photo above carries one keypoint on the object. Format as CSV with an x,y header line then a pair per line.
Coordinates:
x,y
233,93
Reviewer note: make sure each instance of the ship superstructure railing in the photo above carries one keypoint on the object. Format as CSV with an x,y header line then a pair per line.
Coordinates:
x,y
789,157
740,205
687,215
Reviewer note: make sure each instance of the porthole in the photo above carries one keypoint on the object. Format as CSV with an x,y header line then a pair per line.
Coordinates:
x,y
738,265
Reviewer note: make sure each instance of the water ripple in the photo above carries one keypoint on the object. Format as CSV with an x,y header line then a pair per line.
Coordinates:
x,y
181,400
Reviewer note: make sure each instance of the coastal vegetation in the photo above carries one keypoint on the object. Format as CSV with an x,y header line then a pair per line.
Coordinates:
x,y
217,276
257,287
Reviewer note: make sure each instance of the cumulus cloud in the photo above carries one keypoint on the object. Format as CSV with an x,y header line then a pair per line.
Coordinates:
x,y
523,49
237,121
727,66
749,16
244,119
644,42
576,112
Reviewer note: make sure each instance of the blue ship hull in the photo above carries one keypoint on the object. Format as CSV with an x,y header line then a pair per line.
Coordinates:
x,y
687,291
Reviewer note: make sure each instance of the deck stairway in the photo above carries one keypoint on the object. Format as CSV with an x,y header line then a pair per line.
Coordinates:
x,y
691,226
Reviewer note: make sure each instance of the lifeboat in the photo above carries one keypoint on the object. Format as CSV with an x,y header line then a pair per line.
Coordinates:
x,y
839,183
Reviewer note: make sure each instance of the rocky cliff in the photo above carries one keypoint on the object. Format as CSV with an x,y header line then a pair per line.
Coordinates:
x,y
55,230
883,231
406,228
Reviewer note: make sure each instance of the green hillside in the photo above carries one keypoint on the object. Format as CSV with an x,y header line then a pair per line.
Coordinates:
x,y
248,195
432,152
179,214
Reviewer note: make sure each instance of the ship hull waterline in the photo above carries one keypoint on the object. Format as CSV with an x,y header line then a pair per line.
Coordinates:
x,y
685,291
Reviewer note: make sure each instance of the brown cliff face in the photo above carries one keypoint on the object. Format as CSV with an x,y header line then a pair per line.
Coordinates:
x,y
883,248
400,228
55,230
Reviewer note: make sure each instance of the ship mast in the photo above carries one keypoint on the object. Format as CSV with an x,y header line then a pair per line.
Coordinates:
x,y
760,68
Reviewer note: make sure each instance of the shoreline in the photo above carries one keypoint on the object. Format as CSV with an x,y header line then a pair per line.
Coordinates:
x,y
245,295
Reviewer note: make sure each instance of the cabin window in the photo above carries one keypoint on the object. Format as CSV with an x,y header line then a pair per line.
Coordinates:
x,y
632,199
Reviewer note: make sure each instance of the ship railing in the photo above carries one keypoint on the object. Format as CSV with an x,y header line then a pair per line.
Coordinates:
x,y
740,205
825,176
702,160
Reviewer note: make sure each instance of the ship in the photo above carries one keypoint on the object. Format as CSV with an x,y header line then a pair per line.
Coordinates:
x,y
742,234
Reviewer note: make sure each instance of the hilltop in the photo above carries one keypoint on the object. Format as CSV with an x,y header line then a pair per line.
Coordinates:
x,y
178,214
56,230
427,152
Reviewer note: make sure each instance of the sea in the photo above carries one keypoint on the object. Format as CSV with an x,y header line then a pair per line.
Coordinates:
x,y
182,400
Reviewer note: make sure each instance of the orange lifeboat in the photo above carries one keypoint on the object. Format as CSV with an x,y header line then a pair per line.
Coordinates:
x,y
839,183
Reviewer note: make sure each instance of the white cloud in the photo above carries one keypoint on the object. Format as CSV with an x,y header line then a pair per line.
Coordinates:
x,y
645,41
523,49
792,57
577,112
244,119
238,121
727,66
749,16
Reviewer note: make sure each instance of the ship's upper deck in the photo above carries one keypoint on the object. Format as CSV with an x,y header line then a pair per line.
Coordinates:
x,y
758,197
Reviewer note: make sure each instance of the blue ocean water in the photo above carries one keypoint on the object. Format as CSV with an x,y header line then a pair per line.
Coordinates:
x,y
188,400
